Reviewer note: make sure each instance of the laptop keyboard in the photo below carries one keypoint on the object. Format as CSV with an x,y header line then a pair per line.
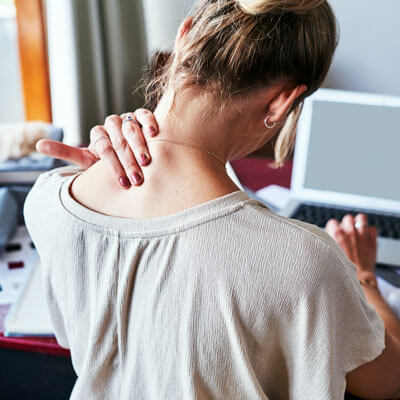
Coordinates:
x,y
388,226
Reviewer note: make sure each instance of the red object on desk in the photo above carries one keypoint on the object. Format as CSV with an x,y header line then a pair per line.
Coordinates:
x,y
254,173
257,173
32,344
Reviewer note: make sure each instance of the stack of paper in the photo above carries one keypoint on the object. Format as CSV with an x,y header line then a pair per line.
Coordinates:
x,y
29,315
15,264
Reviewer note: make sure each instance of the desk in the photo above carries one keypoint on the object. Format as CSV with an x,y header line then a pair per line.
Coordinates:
x,y
36,345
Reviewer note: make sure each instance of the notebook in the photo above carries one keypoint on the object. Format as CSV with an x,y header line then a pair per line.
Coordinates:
x,y
29,315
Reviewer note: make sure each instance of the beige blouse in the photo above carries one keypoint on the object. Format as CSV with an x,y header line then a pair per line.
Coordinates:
x,y
222,301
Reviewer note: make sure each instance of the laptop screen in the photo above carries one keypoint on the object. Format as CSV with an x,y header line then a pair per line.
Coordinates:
x,y
354,149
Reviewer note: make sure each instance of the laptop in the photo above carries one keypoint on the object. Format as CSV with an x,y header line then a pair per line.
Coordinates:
x,y
347,160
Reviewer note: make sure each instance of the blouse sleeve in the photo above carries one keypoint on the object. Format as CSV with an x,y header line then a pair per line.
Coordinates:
x,y
40,214
335,330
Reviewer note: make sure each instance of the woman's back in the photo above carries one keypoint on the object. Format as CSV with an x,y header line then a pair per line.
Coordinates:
x,y
223,300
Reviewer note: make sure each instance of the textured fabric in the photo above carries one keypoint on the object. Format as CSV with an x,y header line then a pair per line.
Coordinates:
x,y
222,301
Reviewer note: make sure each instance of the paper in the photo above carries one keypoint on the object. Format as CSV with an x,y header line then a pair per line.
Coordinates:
x,y
29,316
15,264
274,195
232,174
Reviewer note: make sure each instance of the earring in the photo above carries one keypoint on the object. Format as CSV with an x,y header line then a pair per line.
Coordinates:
x,y
266,122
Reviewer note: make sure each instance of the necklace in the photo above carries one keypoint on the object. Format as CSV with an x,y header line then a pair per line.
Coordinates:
x,y
209,152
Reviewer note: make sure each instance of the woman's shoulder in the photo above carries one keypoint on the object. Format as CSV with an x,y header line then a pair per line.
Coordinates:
x,y
299,230
48,183
42,204
304,243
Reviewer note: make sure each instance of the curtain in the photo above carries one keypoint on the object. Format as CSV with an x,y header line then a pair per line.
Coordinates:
x,y
97,51
111,54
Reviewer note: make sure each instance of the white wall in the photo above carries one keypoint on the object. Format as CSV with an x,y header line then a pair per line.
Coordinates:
x,y
63,69
163,18
11,104
368,55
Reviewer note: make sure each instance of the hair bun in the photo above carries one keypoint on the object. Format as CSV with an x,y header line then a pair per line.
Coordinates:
x,y
256,7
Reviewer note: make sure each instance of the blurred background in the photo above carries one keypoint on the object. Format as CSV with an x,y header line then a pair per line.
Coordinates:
x,y
73,62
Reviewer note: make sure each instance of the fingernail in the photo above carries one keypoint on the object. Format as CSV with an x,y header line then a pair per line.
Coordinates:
x,y
151,130
124,181
137,178
144,159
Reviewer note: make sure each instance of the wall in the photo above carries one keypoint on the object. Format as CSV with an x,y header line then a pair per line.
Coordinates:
x,y
368,56
63,69
11,105
163,18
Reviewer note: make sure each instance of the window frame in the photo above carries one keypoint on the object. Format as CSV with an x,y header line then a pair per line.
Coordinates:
x,y
33,58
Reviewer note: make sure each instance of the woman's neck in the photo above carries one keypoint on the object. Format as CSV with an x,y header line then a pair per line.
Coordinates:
x,y
187,120
180,176
190,149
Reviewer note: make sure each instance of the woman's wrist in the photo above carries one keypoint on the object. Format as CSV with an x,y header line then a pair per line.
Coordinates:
x,y
368,280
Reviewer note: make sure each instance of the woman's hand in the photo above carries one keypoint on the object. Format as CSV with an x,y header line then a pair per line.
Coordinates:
x,y
357,239
121,145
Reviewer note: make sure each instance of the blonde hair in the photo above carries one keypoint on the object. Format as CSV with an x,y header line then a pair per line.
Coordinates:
x,y
236,46
256,7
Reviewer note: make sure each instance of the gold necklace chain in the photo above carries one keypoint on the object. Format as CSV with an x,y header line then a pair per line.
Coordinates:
x,y
209,152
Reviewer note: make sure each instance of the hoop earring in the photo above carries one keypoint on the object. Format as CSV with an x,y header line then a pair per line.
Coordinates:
x,y
266,122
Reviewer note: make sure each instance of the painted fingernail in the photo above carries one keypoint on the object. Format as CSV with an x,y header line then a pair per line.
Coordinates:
x,y
152,130
144,159
124,181
137,178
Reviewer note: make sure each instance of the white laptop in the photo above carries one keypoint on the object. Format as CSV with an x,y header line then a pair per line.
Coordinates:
x,y
347,160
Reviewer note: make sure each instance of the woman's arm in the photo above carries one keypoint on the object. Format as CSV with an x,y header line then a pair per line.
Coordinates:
x,y
122,146
358,241
381,377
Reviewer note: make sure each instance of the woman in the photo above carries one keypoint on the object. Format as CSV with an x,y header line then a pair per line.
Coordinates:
x,y
183,287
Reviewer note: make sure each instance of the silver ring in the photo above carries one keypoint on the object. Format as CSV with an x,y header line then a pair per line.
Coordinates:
x,y
129,118
359,225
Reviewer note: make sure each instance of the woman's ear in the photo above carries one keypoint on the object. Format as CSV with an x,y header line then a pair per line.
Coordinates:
x,y
185,27
283,101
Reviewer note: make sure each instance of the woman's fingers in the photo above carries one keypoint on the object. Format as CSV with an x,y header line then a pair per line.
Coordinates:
x,y
122,148
348,224
334,229
101,143
148,121
361,224
132,132
146,129
123,144
357,239
82,157
372,239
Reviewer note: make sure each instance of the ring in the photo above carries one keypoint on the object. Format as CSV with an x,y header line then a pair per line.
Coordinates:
x,y
129,118
359,225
